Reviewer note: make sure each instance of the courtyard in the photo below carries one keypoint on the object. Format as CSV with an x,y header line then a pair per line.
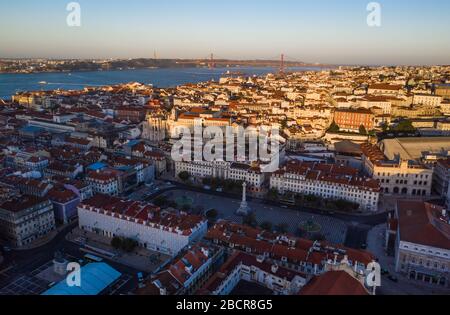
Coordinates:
x,y
334,230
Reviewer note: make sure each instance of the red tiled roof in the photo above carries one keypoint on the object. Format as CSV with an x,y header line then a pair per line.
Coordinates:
x,y
61,195
420,223
144,212
334,283
22,203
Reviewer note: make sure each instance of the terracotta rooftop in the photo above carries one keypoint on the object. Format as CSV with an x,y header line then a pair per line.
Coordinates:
x,y
61,195
333,173
280,246
22,203
420,223
384,86
334,283
144,213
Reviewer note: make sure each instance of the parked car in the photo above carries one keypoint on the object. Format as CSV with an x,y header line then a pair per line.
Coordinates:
x,y
384,272
6,249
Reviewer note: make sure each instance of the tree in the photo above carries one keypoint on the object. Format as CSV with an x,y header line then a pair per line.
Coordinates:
x,y
172,204
199,209
212,214
318,237
282,228
116,242
405,126
273,194
250,220
161,201
334,128
362,130
184,176
311,198
301,232
266,225
228,185
128,245
186,207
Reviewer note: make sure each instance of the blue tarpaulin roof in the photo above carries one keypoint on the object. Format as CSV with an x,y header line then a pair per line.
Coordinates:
x,y
31,129
95,278
97,166
132,143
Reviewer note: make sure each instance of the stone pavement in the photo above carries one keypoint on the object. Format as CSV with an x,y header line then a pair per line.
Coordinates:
x,y
335,230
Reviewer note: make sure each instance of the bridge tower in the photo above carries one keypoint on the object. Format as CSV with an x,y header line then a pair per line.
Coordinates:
x,y
212,64
282,65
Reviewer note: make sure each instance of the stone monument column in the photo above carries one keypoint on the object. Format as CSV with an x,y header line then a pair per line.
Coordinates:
x,y
244,209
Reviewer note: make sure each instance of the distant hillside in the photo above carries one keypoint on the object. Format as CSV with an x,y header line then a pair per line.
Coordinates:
x,y
34,66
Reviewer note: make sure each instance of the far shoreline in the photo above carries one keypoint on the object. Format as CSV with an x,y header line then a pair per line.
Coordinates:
x,y
167,68
216,72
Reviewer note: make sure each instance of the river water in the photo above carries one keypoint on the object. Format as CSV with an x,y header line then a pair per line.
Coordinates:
x,y
13,83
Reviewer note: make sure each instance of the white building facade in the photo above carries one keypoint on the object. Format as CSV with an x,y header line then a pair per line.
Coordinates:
x,y
362,191
149,235
26,220
225,171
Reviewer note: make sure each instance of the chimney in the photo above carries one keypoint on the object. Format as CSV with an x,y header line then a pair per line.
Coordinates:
x,y
189,269
345,260
274,269
205,252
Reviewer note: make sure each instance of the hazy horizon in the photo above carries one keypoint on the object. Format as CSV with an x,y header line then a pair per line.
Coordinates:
x,y
323,31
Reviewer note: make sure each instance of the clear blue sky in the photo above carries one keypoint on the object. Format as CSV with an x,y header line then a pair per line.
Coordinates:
x,y
327,31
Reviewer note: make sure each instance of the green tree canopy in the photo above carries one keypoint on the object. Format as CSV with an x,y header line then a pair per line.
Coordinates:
x,y
362,130
266,225
405,126
250,220
160,201
334,127
184,176
116,242
212,214
282,228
